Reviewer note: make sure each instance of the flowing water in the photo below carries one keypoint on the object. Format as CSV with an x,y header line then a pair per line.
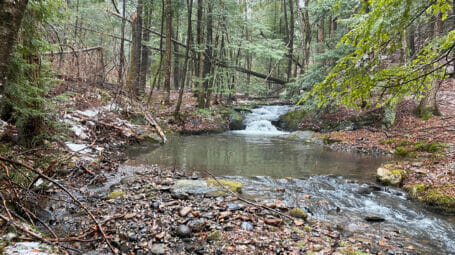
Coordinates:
x,y
340,184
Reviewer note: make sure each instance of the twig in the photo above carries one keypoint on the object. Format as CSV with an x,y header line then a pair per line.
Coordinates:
x,y
67,192
247,201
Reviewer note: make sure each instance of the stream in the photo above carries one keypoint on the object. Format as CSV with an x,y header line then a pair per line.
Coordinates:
x,y
338,187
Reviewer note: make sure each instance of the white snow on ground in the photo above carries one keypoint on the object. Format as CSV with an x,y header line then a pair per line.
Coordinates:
x,y
76,147
89,113
29,248
80,131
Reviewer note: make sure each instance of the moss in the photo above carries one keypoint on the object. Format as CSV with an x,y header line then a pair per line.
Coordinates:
x,y
439,198
328,140
116,194
390,141
390,176
404,143
402,151
426,115
292,119
231,185
431,147
214,236
416,190
298,213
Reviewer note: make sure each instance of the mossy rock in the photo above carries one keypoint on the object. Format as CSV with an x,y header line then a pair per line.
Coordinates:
x,y
231,185
116,194
440,198
416,190
215,236
236,121
389,176
298,213
292,119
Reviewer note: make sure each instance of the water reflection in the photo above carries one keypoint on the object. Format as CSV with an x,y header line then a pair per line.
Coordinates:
x,y
249,155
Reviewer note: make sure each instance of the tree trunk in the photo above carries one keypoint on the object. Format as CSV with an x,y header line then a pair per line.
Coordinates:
x,y
122,48
291,40
11,14
307,38
189,4
176,57
208,58
199,67
167,63
428,105
145,61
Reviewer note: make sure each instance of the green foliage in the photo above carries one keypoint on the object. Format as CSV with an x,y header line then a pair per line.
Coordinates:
x,y
24,100
366,73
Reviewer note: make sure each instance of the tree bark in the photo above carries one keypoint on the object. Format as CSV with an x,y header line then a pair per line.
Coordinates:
x,y
189,4
199,66
11,14
428,105
176,57
207,67
167,63
145,51
291,40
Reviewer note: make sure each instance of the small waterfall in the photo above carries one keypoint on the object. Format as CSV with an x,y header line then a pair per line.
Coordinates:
x,y
259,121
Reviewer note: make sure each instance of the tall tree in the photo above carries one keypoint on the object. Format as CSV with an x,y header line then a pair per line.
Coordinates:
x,y
167,63
11,14
189,34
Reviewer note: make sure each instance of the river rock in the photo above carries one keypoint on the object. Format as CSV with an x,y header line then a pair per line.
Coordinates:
x,y
185,211
157,248
374,218
197,225
183,231
193,187
390,176
247,226
234,207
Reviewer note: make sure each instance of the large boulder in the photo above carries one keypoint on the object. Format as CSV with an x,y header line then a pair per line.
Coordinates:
x,y
292,119
236,121
390,176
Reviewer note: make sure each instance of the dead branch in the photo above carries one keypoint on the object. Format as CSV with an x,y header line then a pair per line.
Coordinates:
x,y
100,228
249,202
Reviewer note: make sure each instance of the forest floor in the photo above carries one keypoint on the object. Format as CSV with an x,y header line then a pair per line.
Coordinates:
x,y
425,148
141,215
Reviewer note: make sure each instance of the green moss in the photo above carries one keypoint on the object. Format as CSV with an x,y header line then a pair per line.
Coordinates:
x,y
419,146
416,190
404,143
402,151
431,147
116,194
298,213
292,119
390,141
439,198
231,185
328,140
426,115
214,236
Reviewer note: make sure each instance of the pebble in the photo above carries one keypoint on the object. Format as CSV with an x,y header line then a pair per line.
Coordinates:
x,y
157,248
234,207
247,226
185,211
197,225
183,231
